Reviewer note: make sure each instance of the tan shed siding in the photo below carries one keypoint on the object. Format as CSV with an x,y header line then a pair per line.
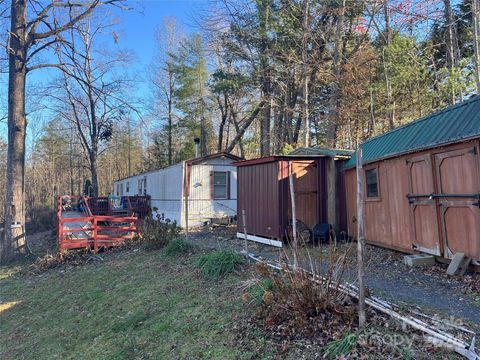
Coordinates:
x,y
389,219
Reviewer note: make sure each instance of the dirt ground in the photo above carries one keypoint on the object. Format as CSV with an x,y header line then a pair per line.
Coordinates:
x,y
430,290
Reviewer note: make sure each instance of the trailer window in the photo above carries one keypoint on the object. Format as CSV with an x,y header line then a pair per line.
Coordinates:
x,y
371,177
145,185
220,184
140,191
127,187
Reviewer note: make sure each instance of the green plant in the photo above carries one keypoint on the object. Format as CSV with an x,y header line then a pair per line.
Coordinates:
x,y
219,263
177,247
341,347
157,233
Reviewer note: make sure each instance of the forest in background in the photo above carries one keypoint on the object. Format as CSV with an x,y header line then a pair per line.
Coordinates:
x,y
257,77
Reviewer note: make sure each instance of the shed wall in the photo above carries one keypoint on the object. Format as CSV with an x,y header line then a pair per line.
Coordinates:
x,y
391,221
259,197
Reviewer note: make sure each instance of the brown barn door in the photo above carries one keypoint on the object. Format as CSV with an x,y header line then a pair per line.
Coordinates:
x,y
458,195
305,180
423,206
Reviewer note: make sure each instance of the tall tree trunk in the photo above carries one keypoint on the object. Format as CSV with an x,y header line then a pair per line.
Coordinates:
x,y
264,15
476,39
335,88
306,119
14,228
171,90
94,173
450,39
388,84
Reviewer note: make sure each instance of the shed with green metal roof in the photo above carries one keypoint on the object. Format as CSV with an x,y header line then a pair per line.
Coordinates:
x,y
422,185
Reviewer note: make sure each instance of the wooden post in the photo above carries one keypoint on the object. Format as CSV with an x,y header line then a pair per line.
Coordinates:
x,y
186,217
244,221
94,233
360,240
294,221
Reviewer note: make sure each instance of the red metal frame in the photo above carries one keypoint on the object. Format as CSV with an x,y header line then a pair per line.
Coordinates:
x,y
105,230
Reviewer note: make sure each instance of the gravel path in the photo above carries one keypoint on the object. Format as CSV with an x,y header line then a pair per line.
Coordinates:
x,y
430,289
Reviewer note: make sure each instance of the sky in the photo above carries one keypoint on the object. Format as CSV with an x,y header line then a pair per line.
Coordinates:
x,y
137,33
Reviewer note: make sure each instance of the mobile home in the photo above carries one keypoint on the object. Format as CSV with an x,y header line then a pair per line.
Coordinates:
x,y
422,186
264,193
194,191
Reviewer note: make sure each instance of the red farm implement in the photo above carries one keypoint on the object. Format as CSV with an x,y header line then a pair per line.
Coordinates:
x,y
93,223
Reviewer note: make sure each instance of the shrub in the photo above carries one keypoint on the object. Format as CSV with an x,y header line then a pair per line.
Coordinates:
x,y
219,263
305,303
178,247
157,233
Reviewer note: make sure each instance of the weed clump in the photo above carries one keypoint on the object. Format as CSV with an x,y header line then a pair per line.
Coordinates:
x,y
157,233
220,263
178,247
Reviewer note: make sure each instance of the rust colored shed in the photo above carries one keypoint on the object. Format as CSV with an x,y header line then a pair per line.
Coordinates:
x,y
422,185
264,195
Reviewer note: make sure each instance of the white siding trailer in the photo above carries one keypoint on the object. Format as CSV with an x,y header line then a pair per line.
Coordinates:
x,y
207,185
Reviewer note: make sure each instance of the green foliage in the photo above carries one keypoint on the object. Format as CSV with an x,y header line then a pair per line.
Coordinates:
x,y
286,149
178,247
157,233
259,289
341,347
220,263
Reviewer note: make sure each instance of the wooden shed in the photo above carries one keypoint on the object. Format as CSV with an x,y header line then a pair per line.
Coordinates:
x,y
264,195
422,186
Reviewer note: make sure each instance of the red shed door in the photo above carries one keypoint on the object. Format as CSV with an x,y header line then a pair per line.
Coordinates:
x,y
423,207
305,177
458,187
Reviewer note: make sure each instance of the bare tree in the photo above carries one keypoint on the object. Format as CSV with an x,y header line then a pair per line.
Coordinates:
x,y
34,27
163,78
91,96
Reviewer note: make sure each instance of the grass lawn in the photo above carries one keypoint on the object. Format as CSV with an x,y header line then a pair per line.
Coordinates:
x,y
131,305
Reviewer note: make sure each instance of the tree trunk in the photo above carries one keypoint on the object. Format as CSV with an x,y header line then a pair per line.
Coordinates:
x,y
388,84
335,88
94,174
476,39
450,37
171,90
14,236
265,120
305,73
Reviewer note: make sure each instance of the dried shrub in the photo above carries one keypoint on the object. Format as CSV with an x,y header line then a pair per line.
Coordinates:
x,y
220,263
157,233
305,304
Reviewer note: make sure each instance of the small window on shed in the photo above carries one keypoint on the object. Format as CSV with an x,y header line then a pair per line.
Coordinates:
x,y
220,185
371,179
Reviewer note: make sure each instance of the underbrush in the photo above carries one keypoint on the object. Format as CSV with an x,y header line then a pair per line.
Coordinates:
x,y
220,263
157,233
177,247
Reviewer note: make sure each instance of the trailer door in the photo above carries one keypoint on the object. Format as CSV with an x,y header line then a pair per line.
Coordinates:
x,y
423,206
458,195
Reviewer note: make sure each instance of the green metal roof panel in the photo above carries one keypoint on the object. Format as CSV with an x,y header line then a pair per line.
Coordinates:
x,y
320,151
454,123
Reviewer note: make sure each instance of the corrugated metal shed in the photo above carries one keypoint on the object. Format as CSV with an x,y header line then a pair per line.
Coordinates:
x,y
454,123
321,151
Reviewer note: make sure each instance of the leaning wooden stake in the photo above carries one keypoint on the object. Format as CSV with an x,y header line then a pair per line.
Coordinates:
x,y
361,241
294,221
244,221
